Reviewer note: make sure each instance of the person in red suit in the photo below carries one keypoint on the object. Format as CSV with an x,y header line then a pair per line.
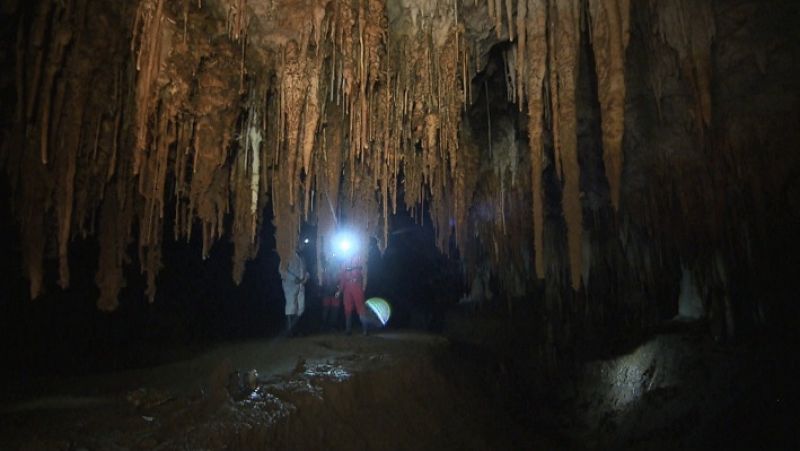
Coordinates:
x,y
352,282
331,300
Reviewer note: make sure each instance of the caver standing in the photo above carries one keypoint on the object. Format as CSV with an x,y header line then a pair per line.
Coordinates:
x,y
331,296
294,277
352,282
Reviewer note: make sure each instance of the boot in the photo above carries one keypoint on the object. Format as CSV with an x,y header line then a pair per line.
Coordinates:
x,y
348,324
364,330
291,320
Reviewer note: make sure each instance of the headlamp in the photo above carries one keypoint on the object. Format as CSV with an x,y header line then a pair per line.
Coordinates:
x,y
345,244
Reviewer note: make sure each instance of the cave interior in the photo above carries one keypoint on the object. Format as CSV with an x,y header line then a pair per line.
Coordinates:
x,y
587,209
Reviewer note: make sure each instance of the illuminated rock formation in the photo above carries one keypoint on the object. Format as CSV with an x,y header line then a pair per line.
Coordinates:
x,y
197,115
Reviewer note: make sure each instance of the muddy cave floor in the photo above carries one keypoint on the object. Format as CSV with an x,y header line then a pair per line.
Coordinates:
x,y
402,389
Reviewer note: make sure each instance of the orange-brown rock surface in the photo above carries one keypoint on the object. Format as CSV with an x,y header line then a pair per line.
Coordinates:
x,y
197,115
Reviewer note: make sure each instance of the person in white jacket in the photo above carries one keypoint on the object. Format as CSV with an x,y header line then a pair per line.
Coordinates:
x,y
294,277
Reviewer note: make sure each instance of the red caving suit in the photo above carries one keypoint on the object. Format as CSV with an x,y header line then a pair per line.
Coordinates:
x,y
329,287
351,280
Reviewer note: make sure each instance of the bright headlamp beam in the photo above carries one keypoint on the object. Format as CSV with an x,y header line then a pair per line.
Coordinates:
x,y
344,244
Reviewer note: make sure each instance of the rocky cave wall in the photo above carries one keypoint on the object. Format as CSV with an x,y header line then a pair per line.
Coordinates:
x,y
631,142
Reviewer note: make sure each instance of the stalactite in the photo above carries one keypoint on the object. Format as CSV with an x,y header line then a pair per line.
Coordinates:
x,y
67,147
54,62
312,112
68,150
32,216
610,31
566,39
689,28
216,111
294,85
521,67
151,186
39,28
147,43
535,60
237,19
116,217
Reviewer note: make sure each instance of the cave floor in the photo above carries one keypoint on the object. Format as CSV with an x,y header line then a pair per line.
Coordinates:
x,y
409,390
382,391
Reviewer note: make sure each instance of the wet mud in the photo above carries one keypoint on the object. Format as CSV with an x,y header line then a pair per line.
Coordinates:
x,y
390,391
403,390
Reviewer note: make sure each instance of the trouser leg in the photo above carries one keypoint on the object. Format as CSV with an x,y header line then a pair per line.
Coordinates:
x,y
348,309
348,302
354,299
358,301
300,300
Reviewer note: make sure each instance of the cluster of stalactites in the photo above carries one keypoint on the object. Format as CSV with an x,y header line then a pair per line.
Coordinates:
x,y
325,120
432,91
543,75
350,104
348,107
64,154
183,134
379,96
547,37
688,27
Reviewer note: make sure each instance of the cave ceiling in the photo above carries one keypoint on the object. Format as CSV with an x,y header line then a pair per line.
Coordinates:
x,y
144,120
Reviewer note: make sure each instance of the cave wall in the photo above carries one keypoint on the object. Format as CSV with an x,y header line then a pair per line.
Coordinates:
x,y
585,150
699,149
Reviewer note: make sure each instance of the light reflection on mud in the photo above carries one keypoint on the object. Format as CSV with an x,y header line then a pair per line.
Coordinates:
x,y
270,401
265,406
328,371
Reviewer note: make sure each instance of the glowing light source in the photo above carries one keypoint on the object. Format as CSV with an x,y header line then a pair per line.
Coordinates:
x,y
381,308
345,244
305,241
